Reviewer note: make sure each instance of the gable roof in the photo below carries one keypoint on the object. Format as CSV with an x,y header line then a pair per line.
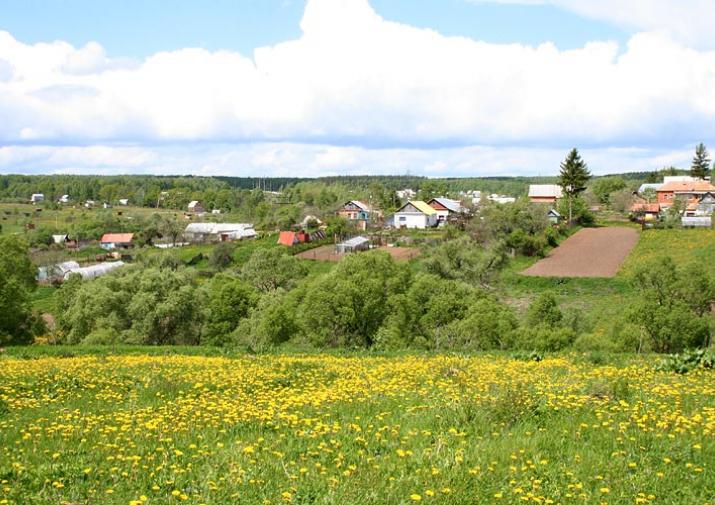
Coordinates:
x,y
645,207
117,238
554,213
447,203
358,203
687,187
419,205
545,191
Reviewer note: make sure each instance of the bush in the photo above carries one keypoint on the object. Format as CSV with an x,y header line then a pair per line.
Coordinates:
x,y
545,338
687,361
595,342
271,323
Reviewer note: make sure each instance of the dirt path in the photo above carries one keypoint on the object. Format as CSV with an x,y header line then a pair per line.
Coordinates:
x,y
591,252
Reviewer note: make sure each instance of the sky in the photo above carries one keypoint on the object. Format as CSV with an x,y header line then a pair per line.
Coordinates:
x,y
336,87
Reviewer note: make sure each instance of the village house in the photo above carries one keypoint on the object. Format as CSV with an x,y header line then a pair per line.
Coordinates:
x,y
415,214
405,194
446,208
706,205
688,192
195,207
649,211
111,241
357,212
37,198
64,199
124,201
218,232
545,193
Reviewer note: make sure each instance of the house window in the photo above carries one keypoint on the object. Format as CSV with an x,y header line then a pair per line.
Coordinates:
x,y
403,218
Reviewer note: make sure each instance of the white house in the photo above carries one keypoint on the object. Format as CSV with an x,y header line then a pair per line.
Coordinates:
x,y
124,201
37,198
64,199
415,214
219,232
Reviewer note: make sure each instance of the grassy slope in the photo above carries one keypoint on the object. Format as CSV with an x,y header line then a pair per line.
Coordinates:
x,y
600,301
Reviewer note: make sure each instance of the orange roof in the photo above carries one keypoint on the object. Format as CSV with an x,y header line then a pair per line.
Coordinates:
x,y
687,187
117,238
645,207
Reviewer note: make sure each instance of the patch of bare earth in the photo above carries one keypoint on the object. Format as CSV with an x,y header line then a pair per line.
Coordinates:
x,y
591,252
327,253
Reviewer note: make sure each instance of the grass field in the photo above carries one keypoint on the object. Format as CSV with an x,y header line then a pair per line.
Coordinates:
x,y
134,429
14,216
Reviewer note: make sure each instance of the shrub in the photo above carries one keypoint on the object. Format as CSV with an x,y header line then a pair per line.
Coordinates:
x,y
687,361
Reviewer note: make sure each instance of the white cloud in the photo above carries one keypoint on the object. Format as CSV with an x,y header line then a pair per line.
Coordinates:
x,y
689,21
353,78
312,160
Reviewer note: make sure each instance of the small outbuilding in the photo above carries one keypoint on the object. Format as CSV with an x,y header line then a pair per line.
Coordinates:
x,y
54,273
355,244
195,207
554,216
697,222
94,271
37,198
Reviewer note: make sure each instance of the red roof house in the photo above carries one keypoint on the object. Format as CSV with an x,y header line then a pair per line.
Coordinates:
x,y
116,240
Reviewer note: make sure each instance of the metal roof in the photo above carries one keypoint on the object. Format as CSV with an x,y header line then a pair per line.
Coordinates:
x,y
354,242
97,270
117,238
545,191
452,205
419,205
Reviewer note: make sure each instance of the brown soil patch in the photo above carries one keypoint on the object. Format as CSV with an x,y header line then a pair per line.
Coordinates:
x,y
592,252
327,253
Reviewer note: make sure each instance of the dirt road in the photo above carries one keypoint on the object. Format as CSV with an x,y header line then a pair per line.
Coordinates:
x,y
591,252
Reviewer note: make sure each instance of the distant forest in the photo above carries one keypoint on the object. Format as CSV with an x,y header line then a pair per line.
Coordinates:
x,y
146,190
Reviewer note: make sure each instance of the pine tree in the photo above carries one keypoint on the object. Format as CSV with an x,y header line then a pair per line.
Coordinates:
x,y
573,177
701,162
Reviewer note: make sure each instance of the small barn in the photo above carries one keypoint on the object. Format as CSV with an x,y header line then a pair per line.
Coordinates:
x,y
554,216
37,198
110,241
355,244
195,207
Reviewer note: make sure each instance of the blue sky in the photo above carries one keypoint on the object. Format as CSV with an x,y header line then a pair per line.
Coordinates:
x,y
139,28
318,87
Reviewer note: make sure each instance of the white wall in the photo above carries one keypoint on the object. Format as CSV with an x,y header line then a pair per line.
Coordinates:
x,y
411,220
